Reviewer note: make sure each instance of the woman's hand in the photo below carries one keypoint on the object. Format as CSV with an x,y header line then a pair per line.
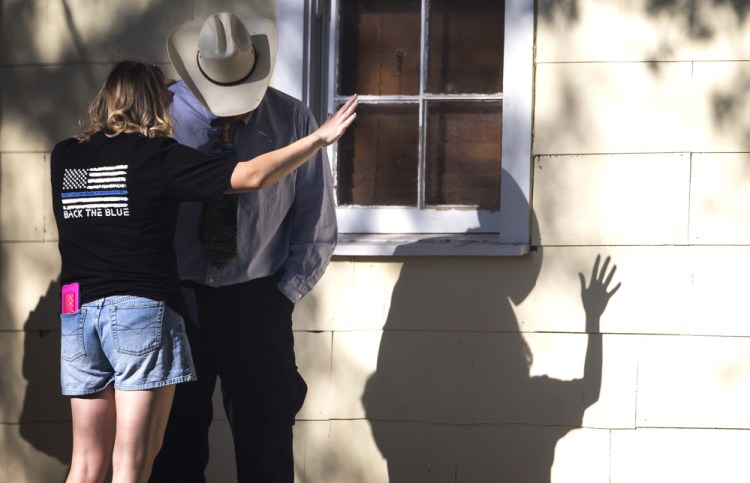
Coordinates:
x,y
336,124
268,168
596,296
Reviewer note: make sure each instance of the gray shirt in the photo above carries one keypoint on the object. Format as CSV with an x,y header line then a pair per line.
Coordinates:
x,y
289,226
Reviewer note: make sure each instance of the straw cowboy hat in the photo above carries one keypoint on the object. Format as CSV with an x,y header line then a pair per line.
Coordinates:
x,y
226,61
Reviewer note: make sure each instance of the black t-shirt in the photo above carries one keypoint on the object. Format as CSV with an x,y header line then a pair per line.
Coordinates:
x,y
115,201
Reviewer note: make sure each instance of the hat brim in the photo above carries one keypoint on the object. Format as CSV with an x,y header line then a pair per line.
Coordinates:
x,y
225,100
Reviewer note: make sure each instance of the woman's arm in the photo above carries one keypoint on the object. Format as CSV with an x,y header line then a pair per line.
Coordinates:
x,y
269,168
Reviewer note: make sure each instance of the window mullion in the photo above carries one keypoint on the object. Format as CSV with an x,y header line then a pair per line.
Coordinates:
x,y
421,155
374,99
332,94
464,97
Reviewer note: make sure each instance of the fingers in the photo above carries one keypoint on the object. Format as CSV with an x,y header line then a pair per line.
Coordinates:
x,y
336,124
602,276
346,110
349,107
611,274
349,119
351,103
604,268
612,292
595,270
346,115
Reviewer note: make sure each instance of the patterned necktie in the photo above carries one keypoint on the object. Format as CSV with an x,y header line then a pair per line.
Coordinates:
x,y
217,227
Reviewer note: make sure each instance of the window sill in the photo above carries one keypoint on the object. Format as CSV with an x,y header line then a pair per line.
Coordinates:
x,y
478,245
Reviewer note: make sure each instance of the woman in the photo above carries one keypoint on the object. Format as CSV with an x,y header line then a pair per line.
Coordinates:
x,y
116,188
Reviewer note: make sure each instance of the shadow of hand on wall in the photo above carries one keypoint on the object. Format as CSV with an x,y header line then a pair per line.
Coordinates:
x,y
43,402
595,297
452,396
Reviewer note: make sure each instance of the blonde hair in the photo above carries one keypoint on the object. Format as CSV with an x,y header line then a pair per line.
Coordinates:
x,y
134,99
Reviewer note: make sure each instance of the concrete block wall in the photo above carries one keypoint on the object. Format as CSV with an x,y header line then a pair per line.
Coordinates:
x,y
431,369
54,56
474,370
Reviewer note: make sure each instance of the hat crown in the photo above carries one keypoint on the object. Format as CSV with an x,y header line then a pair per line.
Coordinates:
x,y
225,60
225,49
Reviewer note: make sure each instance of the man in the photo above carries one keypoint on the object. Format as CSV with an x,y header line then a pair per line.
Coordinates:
x,y
240,307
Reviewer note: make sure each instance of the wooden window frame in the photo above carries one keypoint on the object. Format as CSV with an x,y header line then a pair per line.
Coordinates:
x,y
385,230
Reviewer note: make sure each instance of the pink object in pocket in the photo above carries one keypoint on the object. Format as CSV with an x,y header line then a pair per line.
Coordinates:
x,y
70,293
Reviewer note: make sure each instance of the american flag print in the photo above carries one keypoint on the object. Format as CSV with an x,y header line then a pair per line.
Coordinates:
x,y
95,192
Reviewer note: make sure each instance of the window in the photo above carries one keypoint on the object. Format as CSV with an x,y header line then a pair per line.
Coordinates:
x,y
441,146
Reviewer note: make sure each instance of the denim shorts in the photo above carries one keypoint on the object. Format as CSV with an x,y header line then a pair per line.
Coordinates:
x,y
136,342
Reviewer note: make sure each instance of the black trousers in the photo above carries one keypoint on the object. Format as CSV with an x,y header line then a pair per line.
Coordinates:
x,y
242,334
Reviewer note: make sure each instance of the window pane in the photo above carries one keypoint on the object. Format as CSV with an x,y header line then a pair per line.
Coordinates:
x,y
379,47
377,158
465,47
463,154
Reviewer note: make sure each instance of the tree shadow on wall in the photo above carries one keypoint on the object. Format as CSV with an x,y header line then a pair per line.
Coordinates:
x,y
452,398
692,14
566,11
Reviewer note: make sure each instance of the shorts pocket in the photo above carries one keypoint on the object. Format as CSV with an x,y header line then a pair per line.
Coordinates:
x,y
71,335
137,327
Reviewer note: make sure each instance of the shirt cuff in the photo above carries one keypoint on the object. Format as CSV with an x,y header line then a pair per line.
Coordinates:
x,y
289,286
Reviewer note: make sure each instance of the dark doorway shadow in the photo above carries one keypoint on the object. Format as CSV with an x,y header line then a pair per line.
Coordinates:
x,y
45,417
452,397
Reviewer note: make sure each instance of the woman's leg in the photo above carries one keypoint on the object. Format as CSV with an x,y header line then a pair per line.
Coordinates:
x,y
141,420
93,436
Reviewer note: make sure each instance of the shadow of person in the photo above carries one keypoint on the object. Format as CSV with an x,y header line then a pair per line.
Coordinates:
x,y
452,398
45,416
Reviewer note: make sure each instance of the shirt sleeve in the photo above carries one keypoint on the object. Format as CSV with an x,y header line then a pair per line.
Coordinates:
x,y
313,223
193,176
